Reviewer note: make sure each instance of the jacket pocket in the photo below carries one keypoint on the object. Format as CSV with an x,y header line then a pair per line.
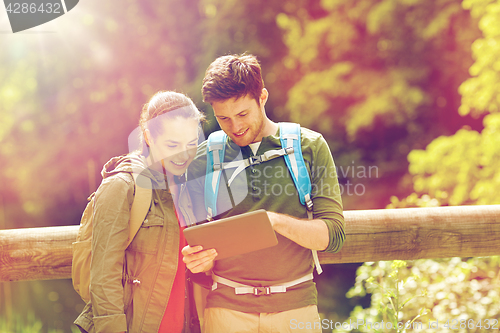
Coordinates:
x,y
147,238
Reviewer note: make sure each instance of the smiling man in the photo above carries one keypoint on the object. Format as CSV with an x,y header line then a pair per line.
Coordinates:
x,y
234,87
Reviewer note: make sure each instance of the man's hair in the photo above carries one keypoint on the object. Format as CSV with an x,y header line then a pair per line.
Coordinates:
x,y
232,76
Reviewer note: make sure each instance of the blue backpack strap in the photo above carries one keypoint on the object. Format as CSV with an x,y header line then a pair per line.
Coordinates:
x,y
290,137
292,153
216,148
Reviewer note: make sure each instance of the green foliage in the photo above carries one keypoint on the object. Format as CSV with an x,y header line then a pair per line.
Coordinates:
x,y
27,324
428,290
388,72
413,200
372,90
378,77
459,169
387,282
480,93
70,99
50,304
463,168
21,325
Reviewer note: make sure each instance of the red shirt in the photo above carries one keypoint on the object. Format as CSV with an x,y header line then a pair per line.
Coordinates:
x,y
173,319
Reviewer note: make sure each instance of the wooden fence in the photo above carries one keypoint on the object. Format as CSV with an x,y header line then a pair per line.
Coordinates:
x,y
371,235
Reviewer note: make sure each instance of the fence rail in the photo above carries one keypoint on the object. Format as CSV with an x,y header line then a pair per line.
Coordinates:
x,y
371,235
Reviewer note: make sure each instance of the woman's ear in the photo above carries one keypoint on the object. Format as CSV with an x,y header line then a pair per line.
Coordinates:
x,y
147,137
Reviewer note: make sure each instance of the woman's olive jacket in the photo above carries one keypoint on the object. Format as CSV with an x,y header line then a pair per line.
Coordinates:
x,y
130,286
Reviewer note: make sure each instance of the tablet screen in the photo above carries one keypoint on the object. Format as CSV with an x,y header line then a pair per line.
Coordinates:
x,y
234,235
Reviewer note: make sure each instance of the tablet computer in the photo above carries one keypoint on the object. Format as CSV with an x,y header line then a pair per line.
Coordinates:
x,y
234,235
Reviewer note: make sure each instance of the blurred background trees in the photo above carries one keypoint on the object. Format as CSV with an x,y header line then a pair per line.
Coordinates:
x,y
380,78
409,87
462,169
459,169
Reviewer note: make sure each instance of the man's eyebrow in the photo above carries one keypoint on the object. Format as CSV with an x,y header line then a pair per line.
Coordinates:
x,y
239,113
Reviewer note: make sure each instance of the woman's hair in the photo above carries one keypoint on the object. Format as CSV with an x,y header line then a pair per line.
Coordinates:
x,y
232,76
164,106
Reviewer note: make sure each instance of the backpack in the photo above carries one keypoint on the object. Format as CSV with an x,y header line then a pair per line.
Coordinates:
x,y
82,247
291,150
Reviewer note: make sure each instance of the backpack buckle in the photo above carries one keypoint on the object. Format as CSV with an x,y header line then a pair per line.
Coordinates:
x,y
259,291
309,202
217,166
289,150
254,160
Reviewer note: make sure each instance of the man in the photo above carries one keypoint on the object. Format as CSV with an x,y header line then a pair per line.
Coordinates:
x,y
234,87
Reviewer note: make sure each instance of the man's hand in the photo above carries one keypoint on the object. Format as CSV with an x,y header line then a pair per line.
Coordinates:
x,y
311,234
198,260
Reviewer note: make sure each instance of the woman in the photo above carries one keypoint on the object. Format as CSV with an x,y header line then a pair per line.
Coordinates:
x,y
142,287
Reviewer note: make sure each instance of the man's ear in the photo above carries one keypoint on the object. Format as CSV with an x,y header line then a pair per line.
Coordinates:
x,y
264,95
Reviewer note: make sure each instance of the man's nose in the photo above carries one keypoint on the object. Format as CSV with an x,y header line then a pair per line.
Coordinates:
x,y
237,125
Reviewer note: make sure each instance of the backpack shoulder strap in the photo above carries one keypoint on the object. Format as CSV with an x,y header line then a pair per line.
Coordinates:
x,y
140,207
290,137
216,148
292,153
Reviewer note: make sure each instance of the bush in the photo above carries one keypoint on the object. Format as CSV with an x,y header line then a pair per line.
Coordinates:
x,y
457,294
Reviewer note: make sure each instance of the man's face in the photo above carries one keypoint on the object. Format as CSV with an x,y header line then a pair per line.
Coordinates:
x,y
242,119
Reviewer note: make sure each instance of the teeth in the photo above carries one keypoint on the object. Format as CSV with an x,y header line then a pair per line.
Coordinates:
x,y
179,164
241,132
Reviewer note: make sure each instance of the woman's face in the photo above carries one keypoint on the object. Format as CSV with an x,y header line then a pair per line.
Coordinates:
x,y
176,144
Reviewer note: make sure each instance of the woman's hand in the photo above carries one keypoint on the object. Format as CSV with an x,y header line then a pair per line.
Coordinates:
x,y
198,260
